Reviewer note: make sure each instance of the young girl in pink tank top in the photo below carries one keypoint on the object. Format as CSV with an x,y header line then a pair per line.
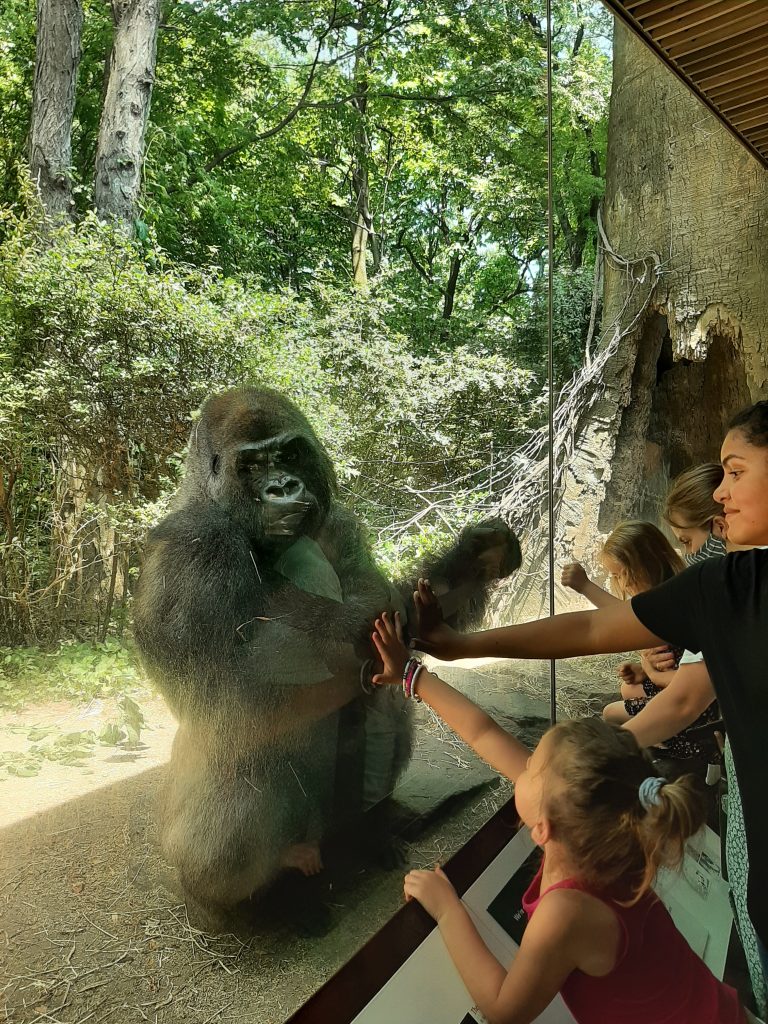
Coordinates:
x,y
605,822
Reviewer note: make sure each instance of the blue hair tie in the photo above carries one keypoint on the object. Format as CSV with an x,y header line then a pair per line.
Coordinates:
x,y
649,791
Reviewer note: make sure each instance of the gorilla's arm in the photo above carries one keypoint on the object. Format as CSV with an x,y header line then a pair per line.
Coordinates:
x,y
460,576
200,622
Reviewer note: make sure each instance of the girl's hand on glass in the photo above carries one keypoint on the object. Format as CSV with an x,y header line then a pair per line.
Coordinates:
x,y
433,636
574,577
432,890
388,640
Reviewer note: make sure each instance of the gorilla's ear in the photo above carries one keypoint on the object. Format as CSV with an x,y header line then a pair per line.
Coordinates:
x,y
215,460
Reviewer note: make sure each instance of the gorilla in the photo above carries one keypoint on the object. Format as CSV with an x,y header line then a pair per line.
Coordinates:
x,y
253,614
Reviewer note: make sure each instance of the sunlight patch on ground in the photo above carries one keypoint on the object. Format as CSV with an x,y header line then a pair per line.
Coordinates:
x,y
56,782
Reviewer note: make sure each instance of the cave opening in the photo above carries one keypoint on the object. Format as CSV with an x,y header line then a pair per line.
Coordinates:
x,y
676,418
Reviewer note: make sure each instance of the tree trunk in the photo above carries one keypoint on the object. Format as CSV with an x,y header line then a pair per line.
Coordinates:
x,y
685,314
57,56
125,114
362,231
690,351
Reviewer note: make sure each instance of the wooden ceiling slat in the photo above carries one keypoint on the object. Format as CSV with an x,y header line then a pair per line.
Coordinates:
x,y
752,44
745,123
740,109
740,105
744,87
719,48
732,71
730,29
646,8
692,14
726,22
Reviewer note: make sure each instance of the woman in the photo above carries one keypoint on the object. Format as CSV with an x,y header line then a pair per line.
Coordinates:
x,y
718,607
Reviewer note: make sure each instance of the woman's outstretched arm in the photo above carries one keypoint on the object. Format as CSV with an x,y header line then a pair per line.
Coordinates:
x,y
607,630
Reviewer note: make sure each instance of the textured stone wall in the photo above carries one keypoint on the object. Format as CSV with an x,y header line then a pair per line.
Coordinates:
x,y
682,195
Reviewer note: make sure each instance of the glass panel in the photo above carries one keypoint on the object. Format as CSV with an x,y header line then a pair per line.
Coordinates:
x,y
347,204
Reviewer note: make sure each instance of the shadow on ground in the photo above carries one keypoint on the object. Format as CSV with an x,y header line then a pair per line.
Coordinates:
x,y
94,928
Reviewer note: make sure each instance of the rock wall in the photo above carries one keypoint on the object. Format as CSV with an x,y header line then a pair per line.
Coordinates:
x,y
686,295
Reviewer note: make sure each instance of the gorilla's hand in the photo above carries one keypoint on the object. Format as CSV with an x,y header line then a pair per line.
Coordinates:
x,y
496,549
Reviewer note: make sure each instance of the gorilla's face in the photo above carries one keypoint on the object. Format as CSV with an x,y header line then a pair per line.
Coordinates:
x,y
274,475
254,454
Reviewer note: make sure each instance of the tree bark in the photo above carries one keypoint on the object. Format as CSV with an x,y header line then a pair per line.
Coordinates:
x,y
125,114
685,313
691,350
361,231
57,56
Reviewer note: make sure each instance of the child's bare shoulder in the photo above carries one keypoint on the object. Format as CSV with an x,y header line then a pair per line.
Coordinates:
x,y
588,924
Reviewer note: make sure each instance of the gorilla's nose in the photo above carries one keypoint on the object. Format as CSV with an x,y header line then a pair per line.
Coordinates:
x,y
286,488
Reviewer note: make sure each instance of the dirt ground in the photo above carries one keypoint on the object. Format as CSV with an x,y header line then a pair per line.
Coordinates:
x,y
93,927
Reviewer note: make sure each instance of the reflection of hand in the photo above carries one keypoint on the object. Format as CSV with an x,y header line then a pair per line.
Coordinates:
x,y
432,889
574,577
388,641
660,659
632,691
434,636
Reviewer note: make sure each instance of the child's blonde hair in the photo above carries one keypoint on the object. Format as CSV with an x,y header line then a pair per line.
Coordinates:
x,y
617,845
645,555
689,503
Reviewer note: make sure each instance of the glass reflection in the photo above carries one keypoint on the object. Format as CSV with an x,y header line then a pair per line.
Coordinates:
x,y
381,261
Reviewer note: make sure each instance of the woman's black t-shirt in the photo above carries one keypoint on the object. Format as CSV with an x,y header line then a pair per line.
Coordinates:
x,y
720,607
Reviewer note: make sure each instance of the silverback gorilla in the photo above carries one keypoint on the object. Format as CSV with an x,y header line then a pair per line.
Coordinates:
x,y
253,614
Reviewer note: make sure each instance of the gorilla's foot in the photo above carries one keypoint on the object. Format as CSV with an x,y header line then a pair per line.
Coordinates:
x,y
208,917
380,840
303,857
388,852
296,900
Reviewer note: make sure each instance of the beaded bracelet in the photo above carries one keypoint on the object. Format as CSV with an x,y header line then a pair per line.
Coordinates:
x,y
410,671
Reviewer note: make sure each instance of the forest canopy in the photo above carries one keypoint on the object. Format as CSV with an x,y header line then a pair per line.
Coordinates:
x,y
346,201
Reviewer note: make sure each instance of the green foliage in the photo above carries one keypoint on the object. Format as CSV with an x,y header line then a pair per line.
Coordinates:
x,y
275,129
439,106
73,671
106,352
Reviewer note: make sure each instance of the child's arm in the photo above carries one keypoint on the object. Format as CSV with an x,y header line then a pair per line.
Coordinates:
x,y
681,703
486,737
574,577
565,933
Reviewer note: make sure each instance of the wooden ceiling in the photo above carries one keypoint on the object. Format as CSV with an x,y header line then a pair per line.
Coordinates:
x,y
720,50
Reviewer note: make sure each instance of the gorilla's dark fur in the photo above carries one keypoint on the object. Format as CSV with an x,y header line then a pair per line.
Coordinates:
x,y
253,614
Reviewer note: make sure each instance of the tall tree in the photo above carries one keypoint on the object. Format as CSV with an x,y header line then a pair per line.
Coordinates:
x,y
125,114
59,26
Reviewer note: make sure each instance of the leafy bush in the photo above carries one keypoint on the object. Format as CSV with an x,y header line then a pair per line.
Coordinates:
x,y
106,349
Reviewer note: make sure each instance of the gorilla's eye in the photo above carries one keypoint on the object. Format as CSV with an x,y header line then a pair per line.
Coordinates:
x,y
296,450
251,460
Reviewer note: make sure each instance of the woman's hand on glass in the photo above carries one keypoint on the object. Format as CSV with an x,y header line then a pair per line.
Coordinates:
x,y
433,635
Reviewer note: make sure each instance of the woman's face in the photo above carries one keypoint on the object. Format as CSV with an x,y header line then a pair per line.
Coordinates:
x,y
744,490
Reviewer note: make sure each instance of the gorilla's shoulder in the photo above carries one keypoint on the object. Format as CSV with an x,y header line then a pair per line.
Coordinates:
x,y
194,520
197,524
